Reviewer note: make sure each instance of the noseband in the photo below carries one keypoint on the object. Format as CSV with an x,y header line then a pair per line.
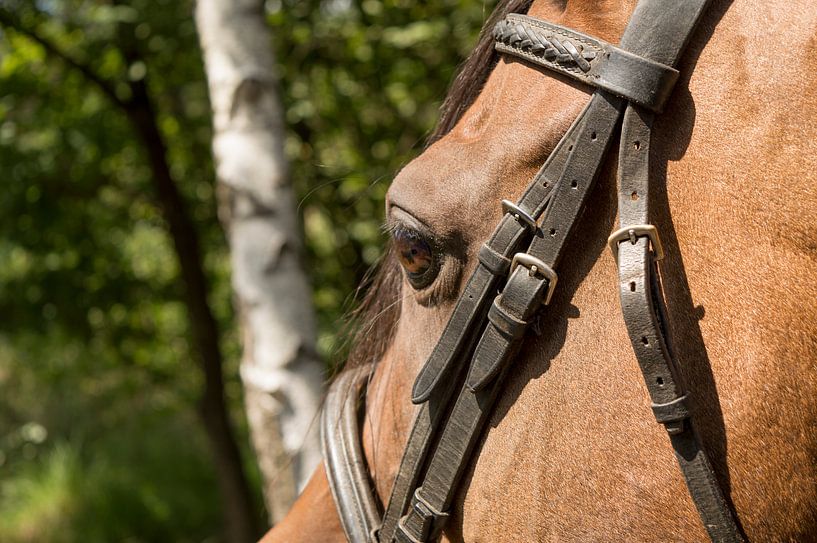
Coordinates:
x,y
516,276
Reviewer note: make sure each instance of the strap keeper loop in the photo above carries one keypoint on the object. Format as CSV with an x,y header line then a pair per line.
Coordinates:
x,y
431,519
497,263
402,535
507,324
672,414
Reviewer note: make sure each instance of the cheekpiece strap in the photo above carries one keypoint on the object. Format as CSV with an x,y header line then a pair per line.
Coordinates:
x,y
586,59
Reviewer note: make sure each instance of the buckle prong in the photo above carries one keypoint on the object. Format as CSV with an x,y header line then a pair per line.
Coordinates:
x,y
632,233
536,267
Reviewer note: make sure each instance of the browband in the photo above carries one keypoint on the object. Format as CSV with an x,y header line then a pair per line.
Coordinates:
x,y
589,60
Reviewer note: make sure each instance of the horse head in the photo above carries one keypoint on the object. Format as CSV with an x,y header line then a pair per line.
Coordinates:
x,y
569,449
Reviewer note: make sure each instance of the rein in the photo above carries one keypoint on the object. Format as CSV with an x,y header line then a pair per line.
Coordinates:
x,y
457,386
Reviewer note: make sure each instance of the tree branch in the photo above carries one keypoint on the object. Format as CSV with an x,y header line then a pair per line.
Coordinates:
x,y
10,20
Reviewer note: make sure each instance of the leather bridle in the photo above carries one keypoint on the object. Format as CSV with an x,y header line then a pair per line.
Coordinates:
x,y
516,276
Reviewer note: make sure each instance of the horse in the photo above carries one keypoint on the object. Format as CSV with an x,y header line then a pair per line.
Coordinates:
x,y
571,451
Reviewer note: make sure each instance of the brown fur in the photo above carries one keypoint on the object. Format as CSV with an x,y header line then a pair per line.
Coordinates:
x,y
572,452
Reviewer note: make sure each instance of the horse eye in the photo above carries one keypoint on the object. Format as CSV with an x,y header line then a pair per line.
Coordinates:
x,y
416,257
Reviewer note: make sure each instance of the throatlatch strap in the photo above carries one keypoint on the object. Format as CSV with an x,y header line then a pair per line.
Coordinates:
x,y
636,265
636,247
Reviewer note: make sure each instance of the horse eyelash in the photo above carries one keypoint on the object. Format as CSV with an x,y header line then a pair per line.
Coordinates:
x,y
394,228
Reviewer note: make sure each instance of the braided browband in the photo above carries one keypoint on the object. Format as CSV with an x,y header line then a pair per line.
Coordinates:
x,y
563,51
586,59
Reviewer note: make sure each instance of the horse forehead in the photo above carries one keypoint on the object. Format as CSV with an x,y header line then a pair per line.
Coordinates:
x,y
492,152
443,188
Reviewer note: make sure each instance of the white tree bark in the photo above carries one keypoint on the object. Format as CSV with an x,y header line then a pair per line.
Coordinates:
x,y
281,372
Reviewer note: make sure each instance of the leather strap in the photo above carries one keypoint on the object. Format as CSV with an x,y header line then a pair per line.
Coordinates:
x,y
586,59
482,286
638,288
435,386
636,269
521,298
343,456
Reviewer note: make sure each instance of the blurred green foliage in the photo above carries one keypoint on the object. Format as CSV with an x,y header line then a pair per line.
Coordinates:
x,y
362,85
98,437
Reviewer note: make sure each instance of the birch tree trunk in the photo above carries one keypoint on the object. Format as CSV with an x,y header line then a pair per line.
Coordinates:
x,y
280,368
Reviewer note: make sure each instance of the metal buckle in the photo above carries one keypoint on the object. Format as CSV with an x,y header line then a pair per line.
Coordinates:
x,y
536,266
519,214
632,233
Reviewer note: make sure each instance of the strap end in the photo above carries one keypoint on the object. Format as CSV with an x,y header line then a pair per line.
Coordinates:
x,y
424,387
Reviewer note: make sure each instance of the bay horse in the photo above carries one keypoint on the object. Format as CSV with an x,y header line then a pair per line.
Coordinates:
x,y
571,451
